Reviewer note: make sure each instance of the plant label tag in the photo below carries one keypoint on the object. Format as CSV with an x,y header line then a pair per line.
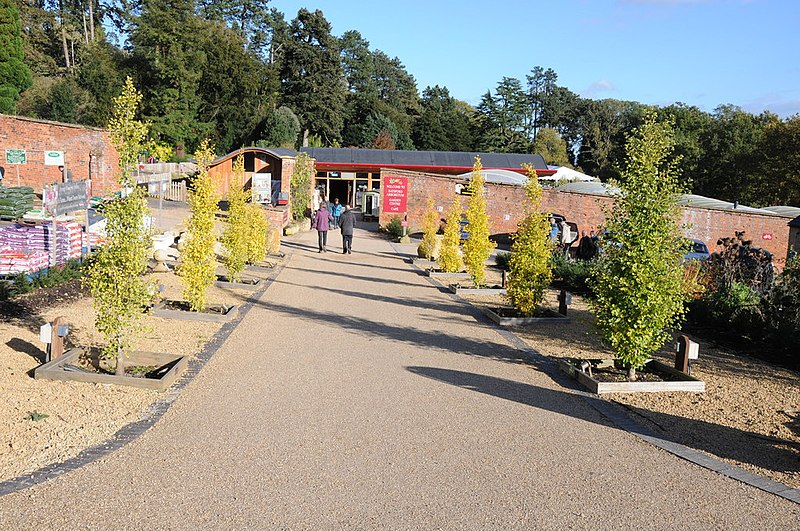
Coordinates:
x,y
45,332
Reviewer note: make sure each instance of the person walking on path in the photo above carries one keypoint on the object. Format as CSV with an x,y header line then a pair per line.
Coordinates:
x,y
322,222
347,223
336,212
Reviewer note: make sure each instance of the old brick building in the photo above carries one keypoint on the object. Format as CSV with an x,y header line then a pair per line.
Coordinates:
x,y
88,153
706,220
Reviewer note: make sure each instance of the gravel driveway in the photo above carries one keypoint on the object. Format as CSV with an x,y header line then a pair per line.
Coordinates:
x,y
357,395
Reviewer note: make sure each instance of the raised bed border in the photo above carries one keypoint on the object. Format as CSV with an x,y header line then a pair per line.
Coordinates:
x,y
262,267
160,310
476,291
54,370
522,321
685,381
250,284
439,275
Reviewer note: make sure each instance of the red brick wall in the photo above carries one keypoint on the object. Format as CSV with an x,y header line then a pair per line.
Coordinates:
x,y
82,146
586,210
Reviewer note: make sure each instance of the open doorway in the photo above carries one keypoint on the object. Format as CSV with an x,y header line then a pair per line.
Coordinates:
x,y
341,190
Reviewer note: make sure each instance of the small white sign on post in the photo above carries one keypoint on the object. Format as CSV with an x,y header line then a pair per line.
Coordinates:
x,y
54,158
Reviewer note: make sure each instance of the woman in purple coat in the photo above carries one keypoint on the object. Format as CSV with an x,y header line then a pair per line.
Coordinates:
x,y
322,222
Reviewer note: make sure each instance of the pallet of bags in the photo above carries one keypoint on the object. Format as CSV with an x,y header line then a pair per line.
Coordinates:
x,y
13,262
15,201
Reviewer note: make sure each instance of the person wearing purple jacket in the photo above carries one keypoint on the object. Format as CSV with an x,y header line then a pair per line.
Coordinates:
x,y
322,222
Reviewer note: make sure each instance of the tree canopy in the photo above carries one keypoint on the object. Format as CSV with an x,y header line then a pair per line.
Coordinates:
x,y
240,72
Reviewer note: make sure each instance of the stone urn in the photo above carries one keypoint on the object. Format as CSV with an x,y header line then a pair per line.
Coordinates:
x,y
160,256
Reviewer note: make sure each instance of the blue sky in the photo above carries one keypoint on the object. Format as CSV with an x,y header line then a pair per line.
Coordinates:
x,y
699,52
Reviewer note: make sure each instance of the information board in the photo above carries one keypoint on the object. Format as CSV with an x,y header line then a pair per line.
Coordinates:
x,y
395,194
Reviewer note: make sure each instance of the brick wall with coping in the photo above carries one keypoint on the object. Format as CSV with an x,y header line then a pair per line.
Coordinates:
x,y
87,150
505,202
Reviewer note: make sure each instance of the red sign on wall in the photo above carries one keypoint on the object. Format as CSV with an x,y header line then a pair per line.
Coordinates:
x,y
395,194
766,236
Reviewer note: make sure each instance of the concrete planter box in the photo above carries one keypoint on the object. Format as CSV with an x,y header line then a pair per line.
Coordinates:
x,y
424,263
502,320
214,313
250,284
169,367
459,290
441,275
679,381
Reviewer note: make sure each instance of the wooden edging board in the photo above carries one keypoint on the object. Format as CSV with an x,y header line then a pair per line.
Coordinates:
x,y
54,370
250,284
685,382
160,310
522,321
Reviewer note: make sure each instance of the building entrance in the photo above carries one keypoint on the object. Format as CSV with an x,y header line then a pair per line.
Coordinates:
x,y
340,189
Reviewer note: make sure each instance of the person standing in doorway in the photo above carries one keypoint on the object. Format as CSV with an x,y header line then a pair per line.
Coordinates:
x,y
336,212
322,222
347,223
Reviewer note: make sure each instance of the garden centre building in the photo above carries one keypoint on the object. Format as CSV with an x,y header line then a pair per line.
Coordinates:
x,y
351,175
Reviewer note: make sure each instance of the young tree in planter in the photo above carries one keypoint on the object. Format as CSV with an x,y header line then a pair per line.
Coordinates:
x,y
115,275
529,263
258,234
198,265
301,185
236,235
450,255
639,280
477,247
430,226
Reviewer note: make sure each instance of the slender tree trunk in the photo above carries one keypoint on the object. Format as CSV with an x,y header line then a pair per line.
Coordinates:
x,y
85,30
91,19
632,374
66,48
305,137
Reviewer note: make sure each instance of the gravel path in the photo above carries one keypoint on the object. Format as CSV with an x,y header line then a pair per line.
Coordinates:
x,y
357,395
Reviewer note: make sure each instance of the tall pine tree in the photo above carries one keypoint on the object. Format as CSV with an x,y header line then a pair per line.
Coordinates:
x,y
312,78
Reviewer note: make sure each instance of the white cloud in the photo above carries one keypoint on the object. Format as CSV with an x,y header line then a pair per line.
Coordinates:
x,y
597,87
775,103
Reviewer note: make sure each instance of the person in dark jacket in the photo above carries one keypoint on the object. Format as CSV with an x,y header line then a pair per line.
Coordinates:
x,y
347,222
322,222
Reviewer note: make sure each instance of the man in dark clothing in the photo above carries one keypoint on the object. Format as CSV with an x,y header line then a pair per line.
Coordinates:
x,y
347,222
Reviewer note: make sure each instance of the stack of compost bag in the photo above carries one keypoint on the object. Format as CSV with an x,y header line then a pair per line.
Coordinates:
x,y
15,201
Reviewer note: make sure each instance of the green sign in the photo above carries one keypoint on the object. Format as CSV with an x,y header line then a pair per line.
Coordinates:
x,y
16,156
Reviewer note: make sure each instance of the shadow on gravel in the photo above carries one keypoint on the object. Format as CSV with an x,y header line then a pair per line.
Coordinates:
x,y
339,274
720,441
402,334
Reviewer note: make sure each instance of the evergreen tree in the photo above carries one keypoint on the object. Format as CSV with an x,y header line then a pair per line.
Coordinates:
x,y
442,126
236,91
552,147
312,79
15,76
280,128
169,62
